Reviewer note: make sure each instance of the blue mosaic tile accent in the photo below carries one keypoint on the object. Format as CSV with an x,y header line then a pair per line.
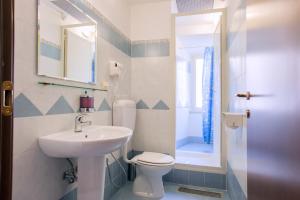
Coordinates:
x,y
141,105
234,188
50,50
161,105
104,106
61,106
23,107
150,48
165,48
138,49
71,10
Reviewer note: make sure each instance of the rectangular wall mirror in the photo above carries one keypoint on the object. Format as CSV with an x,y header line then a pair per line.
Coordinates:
x,y
67,42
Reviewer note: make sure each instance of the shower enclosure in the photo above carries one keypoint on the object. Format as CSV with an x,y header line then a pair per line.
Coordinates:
x,y
198,89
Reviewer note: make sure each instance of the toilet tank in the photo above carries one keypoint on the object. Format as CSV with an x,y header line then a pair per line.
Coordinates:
x,y
124,113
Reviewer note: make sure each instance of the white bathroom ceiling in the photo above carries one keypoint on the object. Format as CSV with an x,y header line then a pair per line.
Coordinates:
x,y
197,24
194,45
188,4
144,1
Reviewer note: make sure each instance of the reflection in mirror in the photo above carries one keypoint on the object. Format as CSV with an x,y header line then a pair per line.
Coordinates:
x,y
67,42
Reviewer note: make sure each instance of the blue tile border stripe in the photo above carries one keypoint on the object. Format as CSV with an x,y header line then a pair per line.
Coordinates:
x,y
50,50
194,178
150,48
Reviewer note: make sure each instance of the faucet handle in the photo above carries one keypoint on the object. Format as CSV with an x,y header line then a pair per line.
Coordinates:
x,y
82,118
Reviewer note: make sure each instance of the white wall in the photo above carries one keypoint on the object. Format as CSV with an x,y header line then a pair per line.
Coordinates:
x,y
152,78
36,176
182,122
237,139
150,21
117,11
183,101
195,124
79,57
188,121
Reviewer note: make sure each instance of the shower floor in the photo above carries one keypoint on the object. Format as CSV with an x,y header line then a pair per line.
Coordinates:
x,y
198,154
197,147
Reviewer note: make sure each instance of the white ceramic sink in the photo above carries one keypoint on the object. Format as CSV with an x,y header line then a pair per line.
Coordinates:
x,y
90,147
92,141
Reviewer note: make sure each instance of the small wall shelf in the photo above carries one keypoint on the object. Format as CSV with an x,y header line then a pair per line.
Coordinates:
x,y
71,86
234,120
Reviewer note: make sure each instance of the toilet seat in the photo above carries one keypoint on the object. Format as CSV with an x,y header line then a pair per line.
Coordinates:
x,y
154,159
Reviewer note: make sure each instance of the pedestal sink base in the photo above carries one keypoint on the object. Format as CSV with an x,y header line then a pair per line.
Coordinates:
x,y
91,178
90,147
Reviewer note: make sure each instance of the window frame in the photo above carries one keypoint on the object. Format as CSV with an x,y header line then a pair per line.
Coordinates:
x,y
194,108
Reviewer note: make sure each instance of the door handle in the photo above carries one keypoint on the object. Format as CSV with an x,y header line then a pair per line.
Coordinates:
x,y
7,101
246,95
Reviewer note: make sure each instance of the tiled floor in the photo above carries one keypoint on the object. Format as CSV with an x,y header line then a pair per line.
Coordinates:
x,y
197,147
125,193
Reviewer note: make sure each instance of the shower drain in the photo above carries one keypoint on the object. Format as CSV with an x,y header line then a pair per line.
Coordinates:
x,y
200,192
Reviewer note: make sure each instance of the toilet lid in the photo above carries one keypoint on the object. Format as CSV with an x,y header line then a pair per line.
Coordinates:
x,y
155,158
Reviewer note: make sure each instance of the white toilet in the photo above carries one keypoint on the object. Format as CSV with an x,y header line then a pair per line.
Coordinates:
x,y
150,166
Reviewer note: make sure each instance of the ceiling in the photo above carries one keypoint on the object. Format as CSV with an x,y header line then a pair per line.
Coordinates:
x,y
187,4
194,5
197,24
144,1
195,32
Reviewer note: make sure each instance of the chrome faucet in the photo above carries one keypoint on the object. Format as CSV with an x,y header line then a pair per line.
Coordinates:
x,y
80,121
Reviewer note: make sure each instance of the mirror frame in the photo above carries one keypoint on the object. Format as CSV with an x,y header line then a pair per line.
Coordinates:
x,y
38,49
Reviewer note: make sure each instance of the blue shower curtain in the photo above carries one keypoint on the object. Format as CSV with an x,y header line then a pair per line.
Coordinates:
x,y
208,95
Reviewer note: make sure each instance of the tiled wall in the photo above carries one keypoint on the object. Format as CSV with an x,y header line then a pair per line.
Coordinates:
x,y
150,48
237,139
194,178
233,186
152,83
42,110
